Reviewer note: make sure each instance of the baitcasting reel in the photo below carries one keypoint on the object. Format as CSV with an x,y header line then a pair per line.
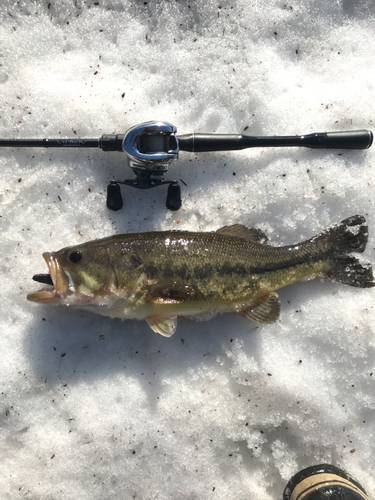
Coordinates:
x,y
152,146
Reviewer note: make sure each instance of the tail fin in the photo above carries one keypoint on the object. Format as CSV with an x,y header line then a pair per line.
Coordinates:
x,y
348,270
349,236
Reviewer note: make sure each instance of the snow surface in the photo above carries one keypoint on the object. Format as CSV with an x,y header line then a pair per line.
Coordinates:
x,y
93,408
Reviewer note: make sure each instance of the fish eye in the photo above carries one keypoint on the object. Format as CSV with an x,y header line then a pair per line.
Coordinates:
x,y
75,257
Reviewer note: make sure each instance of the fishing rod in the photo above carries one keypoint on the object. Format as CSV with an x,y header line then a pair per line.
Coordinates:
x,y
152,146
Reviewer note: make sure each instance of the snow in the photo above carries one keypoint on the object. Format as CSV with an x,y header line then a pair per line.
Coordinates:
x,y
95,408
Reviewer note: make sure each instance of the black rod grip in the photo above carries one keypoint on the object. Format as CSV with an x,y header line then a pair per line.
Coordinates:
x,y
198,143
354,139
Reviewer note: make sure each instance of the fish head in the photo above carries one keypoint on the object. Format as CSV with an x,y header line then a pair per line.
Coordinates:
x,y
80,275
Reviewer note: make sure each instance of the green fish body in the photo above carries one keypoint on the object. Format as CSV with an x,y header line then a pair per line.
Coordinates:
x,y
161,276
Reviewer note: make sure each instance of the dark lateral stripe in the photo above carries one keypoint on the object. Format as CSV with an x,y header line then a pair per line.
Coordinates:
x,y
206,271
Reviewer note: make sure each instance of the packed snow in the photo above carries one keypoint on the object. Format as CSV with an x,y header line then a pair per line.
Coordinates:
x,y
98,408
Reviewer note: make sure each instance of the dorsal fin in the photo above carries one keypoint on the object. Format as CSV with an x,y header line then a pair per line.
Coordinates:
x,y
251,234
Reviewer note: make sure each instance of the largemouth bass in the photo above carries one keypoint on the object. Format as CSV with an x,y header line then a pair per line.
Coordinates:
x,y
161,276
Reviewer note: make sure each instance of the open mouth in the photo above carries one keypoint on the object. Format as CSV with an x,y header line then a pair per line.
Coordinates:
x,y
57,281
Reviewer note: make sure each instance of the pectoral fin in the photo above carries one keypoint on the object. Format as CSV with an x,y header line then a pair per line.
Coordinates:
x,y
267,311
164,326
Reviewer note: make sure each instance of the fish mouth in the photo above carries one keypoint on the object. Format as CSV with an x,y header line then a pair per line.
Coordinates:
x,y
60,288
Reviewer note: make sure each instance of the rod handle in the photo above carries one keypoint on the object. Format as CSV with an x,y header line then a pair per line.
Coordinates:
x,y
354,139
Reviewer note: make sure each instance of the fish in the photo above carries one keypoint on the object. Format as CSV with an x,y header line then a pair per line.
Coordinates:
x,y
164,276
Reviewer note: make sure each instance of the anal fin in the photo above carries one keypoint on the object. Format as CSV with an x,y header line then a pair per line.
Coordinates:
x,y
164,326
267,311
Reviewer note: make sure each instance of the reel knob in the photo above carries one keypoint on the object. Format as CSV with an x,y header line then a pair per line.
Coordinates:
x,y
174,197
114,198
